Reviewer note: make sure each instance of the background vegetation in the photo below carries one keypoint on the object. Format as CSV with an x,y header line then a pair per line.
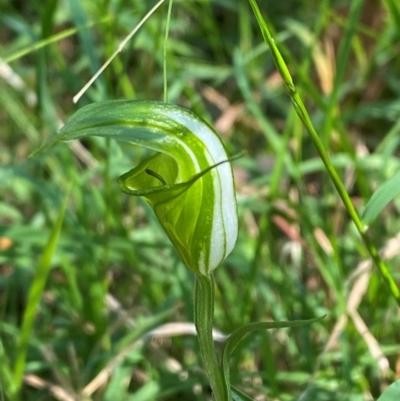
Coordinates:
x,y
113,322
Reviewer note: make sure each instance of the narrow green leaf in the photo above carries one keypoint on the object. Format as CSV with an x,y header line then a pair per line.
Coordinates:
x,y
394,8
238,395
6,374
381,197
237,336
392,393
35,294
54,39
79,16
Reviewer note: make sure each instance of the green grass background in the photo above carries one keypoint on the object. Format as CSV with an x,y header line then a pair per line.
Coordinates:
x,y
86,290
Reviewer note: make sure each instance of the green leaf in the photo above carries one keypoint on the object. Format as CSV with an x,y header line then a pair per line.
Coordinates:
x,y
381,197
392,393
237,395
6,374
186,181
238,335
35,294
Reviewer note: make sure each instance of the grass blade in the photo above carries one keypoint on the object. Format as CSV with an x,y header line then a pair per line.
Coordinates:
x,y
237,336
305,118
381,197
237,395
392,393
6,379
35,294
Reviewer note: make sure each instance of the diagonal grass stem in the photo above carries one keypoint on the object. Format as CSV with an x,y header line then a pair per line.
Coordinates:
x,y
305,118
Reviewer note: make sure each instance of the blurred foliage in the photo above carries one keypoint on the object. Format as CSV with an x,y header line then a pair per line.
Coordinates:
x,y
114,276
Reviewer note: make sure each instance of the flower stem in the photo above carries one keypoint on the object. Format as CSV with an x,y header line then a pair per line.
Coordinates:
x,y
203,316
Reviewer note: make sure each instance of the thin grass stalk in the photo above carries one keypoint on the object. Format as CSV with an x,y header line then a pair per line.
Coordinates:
x,y
167,29
305,118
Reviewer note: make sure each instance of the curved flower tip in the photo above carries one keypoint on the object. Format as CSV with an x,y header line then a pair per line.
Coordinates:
x,y
188,181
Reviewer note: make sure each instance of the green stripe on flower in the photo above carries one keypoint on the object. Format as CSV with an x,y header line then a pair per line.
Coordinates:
x,y
188,182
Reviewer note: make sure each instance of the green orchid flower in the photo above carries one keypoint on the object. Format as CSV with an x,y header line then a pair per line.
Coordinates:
x,y
188,181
